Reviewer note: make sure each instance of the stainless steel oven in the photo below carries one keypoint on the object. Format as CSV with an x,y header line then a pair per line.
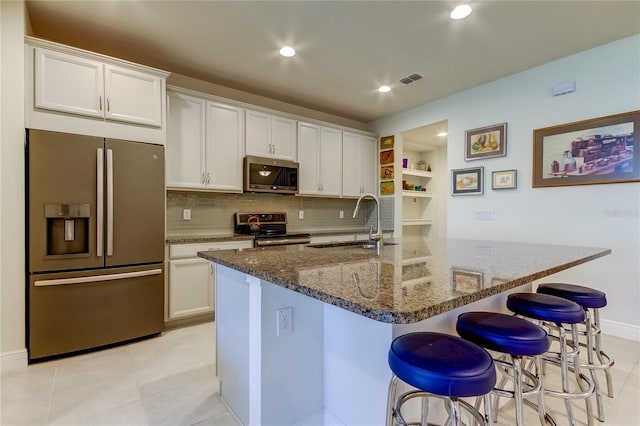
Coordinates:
x,y
268,229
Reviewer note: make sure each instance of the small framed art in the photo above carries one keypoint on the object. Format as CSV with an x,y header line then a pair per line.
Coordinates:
x,y
486,142
467,181
504,179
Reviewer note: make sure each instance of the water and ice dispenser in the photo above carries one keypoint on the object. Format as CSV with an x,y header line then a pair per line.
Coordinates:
x,y
67,228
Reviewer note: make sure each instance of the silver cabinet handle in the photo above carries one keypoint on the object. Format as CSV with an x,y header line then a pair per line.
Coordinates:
x,y
99,202
211,269
97,278
109,202
108,107
100,102
202,178
208,178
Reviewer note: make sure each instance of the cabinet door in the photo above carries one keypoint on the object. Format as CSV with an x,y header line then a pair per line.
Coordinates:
x,y
351,165
191,287
283,138
258,134
133,96
369,163
185,147
331,161
308,158
224,147
68,83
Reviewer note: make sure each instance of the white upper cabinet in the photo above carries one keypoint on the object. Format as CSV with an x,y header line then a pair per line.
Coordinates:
x,y
185,147
224,147
320,158
68,83
77,85
76,91
270,136
204,144
359,164
132,96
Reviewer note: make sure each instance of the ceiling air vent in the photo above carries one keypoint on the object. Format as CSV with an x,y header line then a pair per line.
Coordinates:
x,y
410,79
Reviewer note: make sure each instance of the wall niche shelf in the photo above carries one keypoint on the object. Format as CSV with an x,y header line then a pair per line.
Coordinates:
x,y
416,222
416,172
422,194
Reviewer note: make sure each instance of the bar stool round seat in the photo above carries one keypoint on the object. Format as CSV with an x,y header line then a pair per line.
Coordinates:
x,y
516,338
583,296
591,300
545,307
555,313
439,365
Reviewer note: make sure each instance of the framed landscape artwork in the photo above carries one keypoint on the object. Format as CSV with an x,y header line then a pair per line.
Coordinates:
x,y
504,179
467,181
486,142
595,151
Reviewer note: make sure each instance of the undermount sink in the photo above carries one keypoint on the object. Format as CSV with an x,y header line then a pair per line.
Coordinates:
x,y
361,244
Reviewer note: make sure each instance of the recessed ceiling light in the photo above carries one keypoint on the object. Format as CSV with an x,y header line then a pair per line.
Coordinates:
x,y
460,11
442,134
384,89
287,51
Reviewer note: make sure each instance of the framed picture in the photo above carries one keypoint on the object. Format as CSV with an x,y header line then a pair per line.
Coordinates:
x,y
467,181
386,188
386,172
504,179
387,157
596,151
386,142
466,281
486,142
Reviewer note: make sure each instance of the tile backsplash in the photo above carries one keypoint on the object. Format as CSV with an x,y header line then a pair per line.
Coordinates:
x,y
213,212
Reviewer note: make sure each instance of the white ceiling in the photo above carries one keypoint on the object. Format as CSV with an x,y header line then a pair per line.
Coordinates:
x,y
346,49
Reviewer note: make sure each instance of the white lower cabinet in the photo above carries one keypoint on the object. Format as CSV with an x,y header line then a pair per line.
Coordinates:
x,y
192,279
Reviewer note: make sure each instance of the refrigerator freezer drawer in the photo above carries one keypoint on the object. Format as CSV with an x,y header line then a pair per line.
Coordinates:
x,y
70,312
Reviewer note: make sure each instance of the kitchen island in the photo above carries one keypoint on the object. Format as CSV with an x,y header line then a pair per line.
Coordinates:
x,y
325,360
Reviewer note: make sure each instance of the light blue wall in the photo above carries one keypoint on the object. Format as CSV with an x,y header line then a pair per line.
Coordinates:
x,y
607,82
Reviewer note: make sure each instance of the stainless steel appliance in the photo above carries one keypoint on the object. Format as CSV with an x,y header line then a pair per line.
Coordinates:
x,y
270,175
95,241
268,229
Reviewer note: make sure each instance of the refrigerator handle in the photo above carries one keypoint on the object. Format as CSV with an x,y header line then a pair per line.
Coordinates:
x,y
97,278
100,203
109,202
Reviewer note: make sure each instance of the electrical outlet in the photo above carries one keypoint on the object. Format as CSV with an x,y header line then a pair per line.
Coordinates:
x,y
300,214
186,214
484,214
284,321
341,214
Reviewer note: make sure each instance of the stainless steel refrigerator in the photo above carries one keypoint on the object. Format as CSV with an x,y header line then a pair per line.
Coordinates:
x,y
95,241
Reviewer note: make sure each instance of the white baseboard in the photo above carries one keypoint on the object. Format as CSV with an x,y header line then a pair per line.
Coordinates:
x,y
620,329
13,360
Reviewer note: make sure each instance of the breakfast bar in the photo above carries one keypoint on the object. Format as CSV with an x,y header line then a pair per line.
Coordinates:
x,y
303,331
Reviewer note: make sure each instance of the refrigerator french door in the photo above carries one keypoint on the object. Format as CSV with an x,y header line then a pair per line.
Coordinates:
x,y
95,237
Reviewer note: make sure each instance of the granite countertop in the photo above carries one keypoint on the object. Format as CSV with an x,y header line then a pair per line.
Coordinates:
x,y
411,280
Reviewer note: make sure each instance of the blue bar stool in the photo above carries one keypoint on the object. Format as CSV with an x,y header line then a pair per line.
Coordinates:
x,y
591,301
439,366
555,313
516,338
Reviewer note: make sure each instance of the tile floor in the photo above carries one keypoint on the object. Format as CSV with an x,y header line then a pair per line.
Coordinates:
x,y
170,380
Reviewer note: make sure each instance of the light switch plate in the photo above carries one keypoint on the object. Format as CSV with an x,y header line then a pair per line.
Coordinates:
x,y
484,214
186,214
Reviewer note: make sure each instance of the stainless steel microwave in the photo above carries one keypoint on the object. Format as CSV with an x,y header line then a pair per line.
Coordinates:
x,y
270,175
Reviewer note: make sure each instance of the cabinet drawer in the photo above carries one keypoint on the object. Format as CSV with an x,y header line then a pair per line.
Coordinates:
x,y
177,251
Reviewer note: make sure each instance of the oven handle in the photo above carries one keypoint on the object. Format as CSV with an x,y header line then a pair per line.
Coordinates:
x,y
281,242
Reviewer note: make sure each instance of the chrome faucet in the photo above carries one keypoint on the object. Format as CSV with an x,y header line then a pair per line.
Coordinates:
x,y
377,236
